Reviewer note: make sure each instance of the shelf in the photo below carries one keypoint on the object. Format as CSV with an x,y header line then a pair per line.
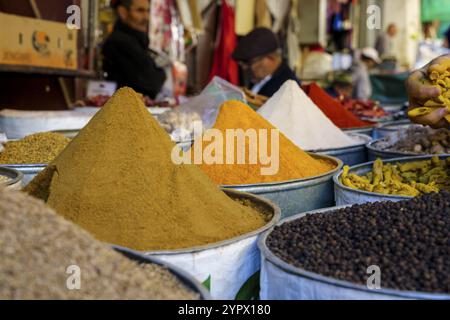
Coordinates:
x,y
47,71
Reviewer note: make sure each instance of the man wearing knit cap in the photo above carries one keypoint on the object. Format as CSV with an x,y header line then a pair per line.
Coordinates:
x,y
259,53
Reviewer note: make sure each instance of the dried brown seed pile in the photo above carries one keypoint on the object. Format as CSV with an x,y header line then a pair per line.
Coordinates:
x,y
38,148
409,241
37,246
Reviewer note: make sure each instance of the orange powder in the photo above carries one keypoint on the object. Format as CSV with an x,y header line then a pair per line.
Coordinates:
x,y
294,163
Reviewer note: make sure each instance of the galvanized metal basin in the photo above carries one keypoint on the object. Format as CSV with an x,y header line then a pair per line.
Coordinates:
x,y
68,133
375,153
391,129
29,171
300,195
283,281
347,196
181,275
351,155
15,178
185,145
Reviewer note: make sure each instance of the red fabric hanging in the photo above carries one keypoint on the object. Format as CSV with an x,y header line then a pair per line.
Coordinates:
x,y
223,64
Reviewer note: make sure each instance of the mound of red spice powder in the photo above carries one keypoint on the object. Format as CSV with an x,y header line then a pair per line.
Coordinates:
x,y
333,109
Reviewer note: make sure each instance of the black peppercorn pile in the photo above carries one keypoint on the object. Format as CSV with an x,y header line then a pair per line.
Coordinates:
x,y
408,240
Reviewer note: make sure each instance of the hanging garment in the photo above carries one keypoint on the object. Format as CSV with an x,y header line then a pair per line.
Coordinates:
x,y
279,10
293,36
223,64
244,16
263,17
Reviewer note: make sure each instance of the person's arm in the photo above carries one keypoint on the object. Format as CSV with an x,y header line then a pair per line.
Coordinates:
x,y
419,92
135,67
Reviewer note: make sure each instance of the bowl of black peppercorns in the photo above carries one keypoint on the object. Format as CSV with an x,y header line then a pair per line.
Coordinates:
x,y
381,250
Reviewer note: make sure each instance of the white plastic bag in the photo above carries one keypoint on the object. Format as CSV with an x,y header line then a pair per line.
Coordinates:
x,y
207,104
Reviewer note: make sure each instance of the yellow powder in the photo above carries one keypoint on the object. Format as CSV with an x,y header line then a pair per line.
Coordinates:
x,y
117,180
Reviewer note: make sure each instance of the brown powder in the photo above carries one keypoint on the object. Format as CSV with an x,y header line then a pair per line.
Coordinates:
x,y
117,180
294,163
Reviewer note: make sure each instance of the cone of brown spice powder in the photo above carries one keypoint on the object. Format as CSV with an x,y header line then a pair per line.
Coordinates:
x,y
117,180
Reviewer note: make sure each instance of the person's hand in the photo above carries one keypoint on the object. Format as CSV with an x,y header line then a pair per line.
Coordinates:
x,y
420,91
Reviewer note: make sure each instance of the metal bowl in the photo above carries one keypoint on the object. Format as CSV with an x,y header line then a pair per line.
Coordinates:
x,y
29,171
391,129
375,153
347,196
299,195
351,155
299,283
257,201
368,131
14,178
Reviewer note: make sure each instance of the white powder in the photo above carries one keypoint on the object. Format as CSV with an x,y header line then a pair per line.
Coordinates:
x,y
296,115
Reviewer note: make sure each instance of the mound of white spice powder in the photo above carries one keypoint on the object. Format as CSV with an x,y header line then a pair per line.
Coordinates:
x,y
37,246
296,115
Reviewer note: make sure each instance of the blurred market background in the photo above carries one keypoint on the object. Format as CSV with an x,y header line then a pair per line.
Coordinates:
x,y
318,38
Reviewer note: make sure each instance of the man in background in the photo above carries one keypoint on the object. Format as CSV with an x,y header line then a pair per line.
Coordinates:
x,y
259,53
362,87
419,91
385,44
127,58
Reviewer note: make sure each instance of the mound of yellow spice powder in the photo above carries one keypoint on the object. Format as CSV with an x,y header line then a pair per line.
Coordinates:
x,y
117,180
38,148
294,163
